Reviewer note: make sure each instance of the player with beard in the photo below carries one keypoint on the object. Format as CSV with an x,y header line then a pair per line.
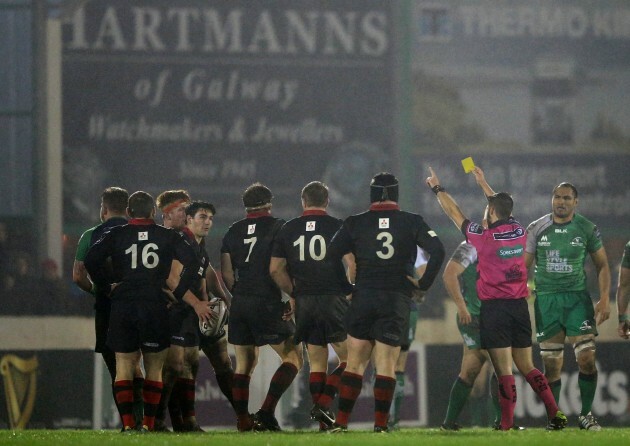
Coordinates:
x,y
558,243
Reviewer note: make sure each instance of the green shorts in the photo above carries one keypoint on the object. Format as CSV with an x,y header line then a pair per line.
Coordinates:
x,y
571,313
470,333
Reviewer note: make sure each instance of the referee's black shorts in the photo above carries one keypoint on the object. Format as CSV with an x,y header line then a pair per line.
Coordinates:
x,y
379,315
505,323
319,319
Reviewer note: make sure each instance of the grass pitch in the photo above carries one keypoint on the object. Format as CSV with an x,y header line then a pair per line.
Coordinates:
x,y
405,437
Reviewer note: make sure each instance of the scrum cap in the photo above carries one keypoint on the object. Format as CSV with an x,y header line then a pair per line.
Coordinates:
x,y
384,186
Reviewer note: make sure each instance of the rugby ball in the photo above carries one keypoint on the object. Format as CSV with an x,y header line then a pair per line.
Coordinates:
x,y
218,318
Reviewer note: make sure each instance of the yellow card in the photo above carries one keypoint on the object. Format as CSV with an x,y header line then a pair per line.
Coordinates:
x,y
468,164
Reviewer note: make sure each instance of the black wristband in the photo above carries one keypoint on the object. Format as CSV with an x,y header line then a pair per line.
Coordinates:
x,y
437,188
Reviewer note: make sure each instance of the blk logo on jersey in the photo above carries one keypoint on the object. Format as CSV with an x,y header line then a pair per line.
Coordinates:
x,y
251,229
144,235
383,223
310,225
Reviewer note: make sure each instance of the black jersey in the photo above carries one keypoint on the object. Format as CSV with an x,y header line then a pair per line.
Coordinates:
x,y
249,243
97,234
383,241
303,242
142,253
202,258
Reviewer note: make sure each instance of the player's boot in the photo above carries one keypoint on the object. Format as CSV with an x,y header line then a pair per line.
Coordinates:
x,y
558,422
589,422
323,415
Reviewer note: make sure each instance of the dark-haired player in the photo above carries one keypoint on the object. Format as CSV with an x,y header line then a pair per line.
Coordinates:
x,y
559,243
141,253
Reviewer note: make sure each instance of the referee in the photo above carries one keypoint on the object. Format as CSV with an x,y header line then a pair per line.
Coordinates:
x,y
504,324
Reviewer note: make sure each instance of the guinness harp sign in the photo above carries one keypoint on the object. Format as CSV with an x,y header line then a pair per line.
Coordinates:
x,y
20,386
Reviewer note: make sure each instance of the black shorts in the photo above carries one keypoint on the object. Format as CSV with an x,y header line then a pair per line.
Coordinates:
x,y
135,325
184,324
256,320
319,319
101,326
379,315
505,323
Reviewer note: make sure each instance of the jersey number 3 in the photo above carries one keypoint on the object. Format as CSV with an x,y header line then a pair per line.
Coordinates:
x,y
387,252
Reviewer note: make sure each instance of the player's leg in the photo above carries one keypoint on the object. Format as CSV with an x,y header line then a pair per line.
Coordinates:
x,y
584,348
138,392
550,334
321,408
187,393
153,364
581,331
246,360
385,357
292,361
318,364
502,362
401,363
123,386
334,378
217,354
478,400
359,353
552,353
537,381
472,361
399,390
173,368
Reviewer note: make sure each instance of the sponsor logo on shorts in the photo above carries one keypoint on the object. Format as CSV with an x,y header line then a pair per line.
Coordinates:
x,y
150,344
577,241
432,233
310,225
383,223
507,252
251,229
586,325
392,336
470,342
143,235
200,272
177,338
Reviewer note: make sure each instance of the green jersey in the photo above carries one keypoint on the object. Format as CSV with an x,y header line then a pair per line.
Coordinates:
x,y
84,244
466,255
625,260
560,250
